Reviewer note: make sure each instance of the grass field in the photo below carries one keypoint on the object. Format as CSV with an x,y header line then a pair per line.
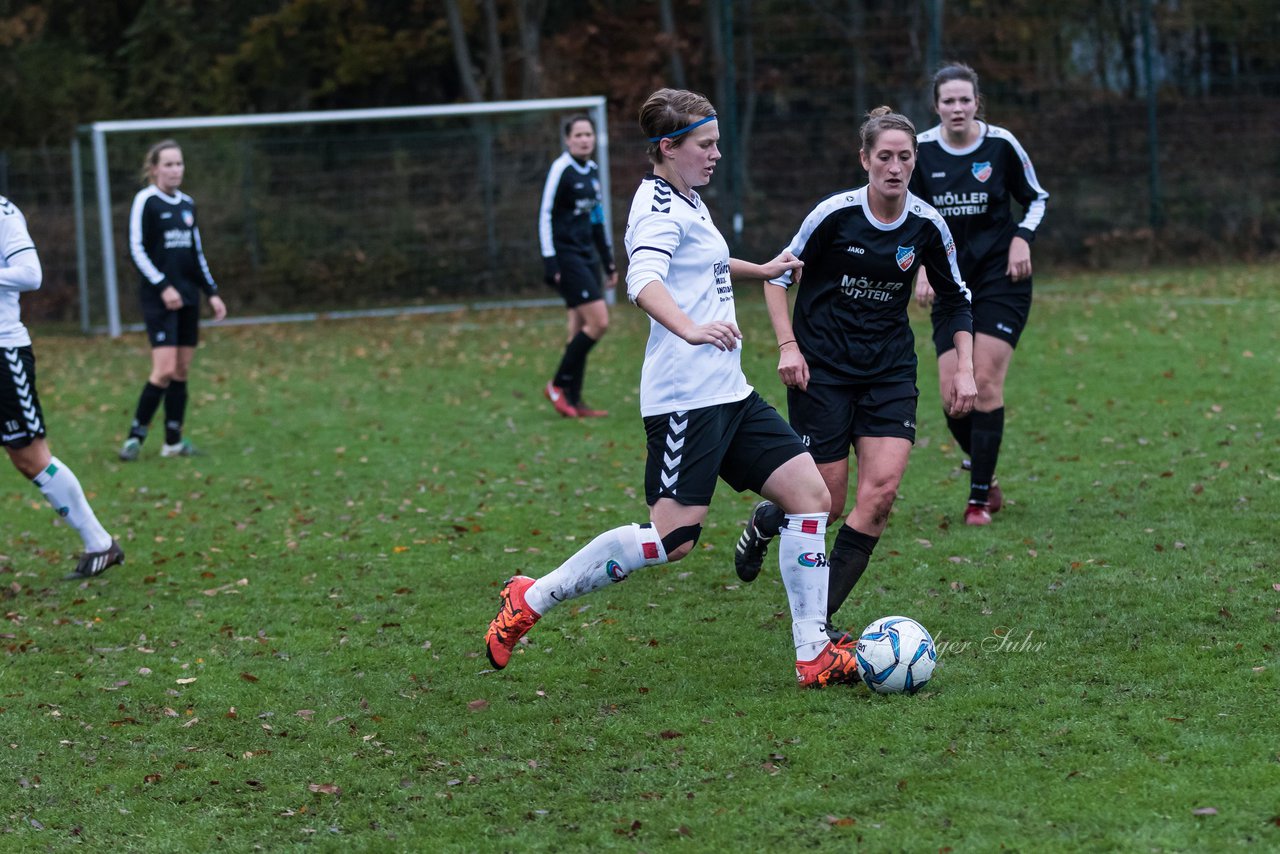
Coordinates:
x,y
292,654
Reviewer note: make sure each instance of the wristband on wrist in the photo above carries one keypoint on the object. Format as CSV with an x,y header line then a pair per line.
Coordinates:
x,y
785,343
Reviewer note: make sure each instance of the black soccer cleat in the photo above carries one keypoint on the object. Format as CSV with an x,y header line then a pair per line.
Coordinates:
x,y
96,563
753,545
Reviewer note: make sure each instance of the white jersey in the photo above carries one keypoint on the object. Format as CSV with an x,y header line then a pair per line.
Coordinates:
x,y
19,271
672,243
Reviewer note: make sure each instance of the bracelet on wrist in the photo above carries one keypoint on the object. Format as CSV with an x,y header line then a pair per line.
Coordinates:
x,y
785,343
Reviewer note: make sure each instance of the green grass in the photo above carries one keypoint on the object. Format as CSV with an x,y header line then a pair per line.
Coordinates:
x,y
325,571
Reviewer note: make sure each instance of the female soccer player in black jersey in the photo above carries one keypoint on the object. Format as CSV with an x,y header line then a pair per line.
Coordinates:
x,y
971,171
572,234
165,244
848,357
703,420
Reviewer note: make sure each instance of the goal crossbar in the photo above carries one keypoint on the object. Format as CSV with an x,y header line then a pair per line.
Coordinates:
x,y
595,106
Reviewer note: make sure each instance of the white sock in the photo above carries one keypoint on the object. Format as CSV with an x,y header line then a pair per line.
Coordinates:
x,y
607,559
802,557
62,489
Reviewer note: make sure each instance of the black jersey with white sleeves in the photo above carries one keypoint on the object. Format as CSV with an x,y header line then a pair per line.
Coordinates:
x,y
571,217
164,242
850,318
972,188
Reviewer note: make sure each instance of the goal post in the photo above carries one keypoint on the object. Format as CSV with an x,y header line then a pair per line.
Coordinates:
x,y
342,213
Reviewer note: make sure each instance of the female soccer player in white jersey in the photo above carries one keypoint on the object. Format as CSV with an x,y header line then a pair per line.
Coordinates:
x,y
702,418
848,358
571,231
22,428
971,171
165,244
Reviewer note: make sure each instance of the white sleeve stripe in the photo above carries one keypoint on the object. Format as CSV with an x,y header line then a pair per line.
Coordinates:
x,y
204,265
144,264
650,249
548,200
1035,210
944,232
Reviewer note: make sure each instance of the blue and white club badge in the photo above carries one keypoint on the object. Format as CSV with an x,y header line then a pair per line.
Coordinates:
x,y
189,218
982,171
906,257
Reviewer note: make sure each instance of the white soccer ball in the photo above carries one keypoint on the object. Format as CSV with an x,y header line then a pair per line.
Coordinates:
x,y
896,655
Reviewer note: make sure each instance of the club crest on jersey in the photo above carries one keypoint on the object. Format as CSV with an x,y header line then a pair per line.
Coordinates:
x,y
906,257
189,218
982,171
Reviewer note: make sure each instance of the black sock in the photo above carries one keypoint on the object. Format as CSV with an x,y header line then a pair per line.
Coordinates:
x,y
573,365
148,403
962,429
988,432
175,410
846,562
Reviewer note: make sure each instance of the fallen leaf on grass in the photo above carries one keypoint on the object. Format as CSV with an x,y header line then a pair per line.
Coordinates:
x,y
1205,811
152,778
670,734
248,677
478,705
840,821
305,714
191,723
188,680
324,788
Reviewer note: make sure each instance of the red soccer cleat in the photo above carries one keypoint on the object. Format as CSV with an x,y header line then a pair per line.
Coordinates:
x,y
556,395
514,620
977,514
837,664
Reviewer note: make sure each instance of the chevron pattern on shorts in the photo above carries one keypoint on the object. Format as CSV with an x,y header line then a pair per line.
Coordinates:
x,y
673,454
22,385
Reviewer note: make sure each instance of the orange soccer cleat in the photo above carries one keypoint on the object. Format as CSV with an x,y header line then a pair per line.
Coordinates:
x,y
513,621
837,664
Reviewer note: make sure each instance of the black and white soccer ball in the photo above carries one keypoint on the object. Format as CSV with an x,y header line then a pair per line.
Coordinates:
x,y
896,655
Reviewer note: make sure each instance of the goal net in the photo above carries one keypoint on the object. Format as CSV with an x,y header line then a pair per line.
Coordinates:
x,y
337,213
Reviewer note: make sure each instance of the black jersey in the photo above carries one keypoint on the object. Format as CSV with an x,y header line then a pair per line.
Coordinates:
x,y
571,218
972,188
165,244
850,317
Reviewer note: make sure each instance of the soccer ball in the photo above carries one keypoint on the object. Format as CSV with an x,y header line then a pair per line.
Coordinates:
x,y
896,655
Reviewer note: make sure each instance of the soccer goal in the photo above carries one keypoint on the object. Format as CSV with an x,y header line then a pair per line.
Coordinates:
x,y
341,213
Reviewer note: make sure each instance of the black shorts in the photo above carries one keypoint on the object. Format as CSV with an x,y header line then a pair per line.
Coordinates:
x,y
829,417
579,279
166,328
1000,309
743,442
21,419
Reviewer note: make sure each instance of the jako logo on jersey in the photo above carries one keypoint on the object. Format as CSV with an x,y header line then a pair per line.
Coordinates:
x,y
812,559
982,171
1005,328
856,250
906,257
938,175
189,218
615,571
